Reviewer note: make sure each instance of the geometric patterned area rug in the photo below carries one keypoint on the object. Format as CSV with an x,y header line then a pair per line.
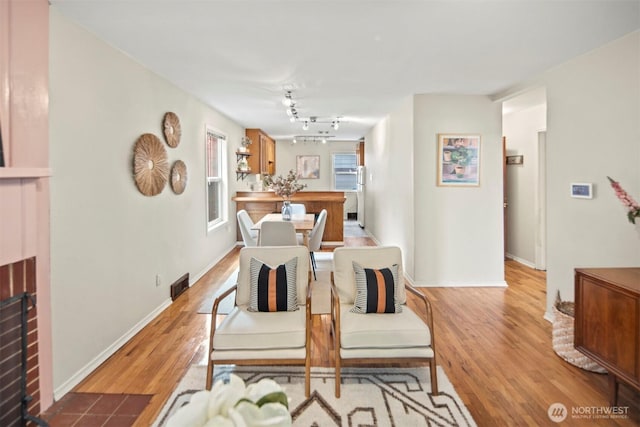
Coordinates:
x,y
389,397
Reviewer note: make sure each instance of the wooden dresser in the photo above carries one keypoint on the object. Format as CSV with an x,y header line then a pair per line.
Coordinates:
x,y
607,322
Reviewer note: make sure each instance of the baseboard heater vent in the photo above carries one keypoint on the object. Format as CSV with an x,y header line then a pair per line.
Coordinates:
x,y
179,286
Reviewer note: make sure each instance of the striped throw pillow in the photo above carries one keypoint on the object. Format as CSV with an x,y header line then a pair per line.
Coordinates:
x,y
376,290
272,288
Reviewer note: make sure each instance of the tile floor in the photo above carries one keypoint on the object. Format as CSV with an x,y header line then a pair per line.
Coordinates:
x,y
352,229
95,409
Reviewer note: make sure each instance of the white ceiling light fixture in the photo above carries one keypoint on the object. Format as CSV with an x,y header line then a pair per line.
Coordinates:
x,y
335,124
305,126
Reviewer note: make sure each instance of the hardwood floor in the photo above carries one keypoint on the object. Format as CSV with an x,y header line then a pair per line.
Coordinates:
x,y
493,344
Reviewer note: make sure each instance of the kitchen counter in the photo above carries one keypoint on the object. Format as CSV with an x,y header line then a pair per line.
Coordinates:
x,y
259,203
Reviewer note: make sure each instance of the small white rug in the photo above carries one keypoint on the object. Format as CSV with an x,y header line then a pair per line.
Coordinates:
x,y
227,304
393,397
321,288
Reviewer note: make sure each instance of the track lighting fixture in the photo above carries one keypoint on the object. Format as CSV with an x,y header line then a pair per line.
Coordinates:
x,y
288,100
292,113
311,138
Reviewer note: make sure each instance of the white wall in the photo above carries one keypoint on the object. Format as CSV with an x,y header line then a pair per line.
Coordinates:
x,y
389,190
593,130
458,230
108,241
521,131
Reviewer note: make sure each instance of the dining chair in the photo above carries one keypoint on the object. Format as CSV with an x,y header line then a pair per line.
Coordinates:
x,y
277,233
315,238
298,209
249,236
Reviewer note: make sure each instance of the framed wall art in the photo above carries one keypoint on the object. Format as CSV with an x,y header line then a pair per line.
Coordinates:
x,y
308,167
458,160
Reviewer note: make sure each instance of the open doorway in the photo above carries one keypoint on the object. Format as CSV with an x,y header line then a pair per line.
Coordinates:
x,y
524,128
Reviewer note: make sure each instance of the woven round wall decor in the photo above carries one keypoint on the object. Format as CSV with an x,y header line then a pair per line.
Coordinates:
x,y
178,179
150,165
172,130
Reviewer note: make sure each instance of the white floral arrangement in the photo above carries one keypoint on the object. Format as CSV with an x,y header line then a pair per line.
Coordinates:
x,y
233,404
284,186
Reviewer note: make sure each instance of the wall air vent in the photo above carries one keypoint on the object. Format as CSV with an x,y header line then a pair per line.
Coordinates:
x,y
179,286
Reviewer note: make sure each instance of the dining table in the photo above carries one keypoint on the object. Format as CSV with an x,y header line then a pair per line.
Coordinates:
x,y
302,223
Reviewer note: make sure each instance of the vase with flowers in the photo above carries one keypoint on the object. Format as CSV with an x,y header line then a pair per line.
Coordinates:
x,y
285,187
235,404
245,143
633,208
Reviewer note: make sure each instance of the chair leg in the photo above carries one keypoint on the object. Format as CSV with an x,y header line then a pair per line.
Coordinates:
x,y
434,377
209,373
307,380
313,264
338,376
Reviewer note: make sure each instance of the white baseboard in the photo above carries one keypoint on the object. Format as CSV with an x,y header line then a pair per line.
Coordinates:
x,y
76,378
548,316
498,284
521,261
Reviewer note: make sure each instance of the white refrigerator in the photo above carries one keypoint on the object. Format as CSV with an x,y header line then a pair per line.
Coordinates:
x,y
360,195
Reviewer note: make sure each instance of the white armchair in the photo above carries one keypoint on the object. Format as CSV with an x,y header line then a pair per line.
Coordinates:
x,y
246,337
377,337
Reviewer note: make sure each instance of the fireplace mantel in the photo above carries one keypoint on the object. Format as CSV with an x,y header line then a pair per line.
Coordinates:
x,y
24,173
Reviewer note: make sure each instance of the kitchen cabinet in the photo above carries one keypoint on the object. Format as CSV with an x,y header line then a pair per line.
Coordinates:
x,y
263,152
360,152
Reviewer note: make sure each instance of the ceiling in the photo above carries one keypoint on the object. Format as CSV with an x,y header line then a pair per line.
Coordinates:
x,y
353,59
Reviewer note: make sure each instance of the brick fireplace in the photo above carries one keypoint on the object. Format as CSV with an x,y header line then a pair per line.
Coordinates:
x,y
16,279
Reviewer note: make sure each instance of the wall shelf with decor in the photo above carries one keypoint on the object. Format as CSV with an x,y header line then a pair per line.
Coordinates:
x,y
242,174
242,165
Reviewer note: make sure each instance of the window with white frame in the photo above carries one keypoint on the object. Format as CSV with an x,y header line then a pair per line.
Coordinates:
x,y
345,166
214,156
